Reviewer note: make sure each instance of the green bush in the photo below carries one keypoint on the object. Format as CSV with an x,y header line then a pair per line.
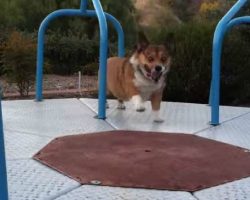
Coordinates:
x,y
19,58
90,69
189,78
3,37
190,75
235,82
67,53
1,92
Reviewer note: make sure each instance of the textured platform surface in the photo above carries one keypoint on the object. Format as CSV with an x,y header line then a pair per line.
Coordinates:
x,y
29,125
22,145
115,193
237,190
29,180
179,117
235,132
50,117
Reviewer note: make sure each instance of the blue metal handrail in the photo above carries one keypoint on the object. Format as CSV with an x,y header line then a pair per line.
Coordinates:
x,y
103,59
3,173
102,16
223,26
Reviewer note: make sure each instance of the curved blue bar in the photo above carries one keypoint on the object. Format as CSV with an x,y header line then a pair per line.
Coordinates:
x,y
216,60
68,12
119,30
84,5
3,173
118,27
40,45
237,21
103,59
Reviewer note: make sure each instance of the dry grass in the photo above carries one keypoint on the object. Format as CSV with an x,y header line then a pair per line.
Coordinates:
x,y
55,86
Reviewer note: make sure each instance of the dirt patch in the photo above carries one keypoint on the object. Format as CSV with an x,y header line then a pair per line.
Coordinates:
x,y
55,86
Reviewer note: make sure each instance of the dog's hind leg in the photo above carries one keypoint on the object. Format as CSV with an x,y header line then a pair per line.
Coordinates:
x,y
108,94
107,105
121,105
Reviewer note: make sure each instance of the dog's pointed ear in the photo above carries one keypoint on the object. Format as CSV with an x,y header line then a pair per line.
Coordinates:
x,y
140,47
142,42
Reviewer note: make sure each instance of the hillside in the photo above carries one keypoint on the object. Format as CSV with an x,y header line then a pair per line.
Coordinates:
x,y
162,12
154,13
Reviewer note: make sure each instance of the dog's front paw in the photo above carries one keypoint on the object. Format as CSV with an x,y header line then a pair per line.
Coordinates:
x,y
158,120
121,106
138,102
140,109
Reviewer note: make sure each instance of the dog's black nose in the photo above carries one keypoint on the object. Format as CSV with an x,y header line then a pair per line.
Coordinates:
x,y
158,68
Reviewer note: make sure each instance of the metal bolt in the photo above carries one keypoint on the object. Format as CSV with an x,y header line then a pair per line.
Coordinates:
x,y
96,182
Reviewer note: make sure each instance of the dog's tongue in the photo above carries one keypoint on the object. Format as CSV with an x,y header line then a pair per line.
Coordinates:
x,y
156,75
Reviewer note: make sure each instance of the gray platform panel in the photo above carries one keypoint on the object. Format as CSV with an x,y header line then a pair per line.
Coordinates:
x,y
51,117
235,132
179,117
237,190
29,180
109,193
20,145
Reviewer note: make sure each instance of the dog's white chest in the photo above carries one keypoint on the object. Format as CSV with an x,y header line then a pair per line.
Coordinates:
x,y
146,87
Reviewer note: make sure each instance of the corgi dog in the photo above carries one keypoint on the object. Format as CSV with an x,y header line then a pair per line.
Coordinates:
x,y
140,77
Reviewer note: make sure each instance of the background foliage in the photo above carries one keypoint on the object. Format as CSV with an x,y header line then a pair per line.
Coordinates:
x,y
187,27
18,60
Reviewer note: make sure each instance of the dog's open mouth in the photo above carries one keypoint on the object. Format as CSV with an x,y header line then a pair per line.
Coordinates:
x,y
151,74
156,75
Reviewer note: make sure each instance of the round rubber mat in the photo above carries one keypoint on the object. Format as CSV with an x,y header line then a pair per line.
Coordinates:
x,y
146,160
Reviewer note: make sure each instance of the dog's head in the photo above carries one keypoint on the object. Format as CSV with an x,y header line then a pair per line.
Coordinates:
x,y
152,60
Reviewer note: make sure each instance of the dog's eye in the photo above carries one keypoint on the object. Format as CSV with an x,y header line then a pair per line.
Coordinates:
x,y
150,59
163,59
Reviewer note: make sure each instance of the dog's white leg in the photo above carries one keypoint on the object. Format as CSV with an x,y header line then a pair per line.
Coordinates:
x,y
138,102
156,115
121,105
156,105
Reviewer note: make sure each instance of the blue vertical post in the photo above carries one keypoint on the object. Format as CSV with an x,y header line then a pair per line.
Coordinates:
x,y
215,84
219,34
116,24
3,173
102,59
84,5
40,61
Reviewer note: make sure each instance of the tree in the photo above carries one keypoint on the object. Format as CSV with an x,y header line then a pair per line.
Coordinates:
x,y
19,58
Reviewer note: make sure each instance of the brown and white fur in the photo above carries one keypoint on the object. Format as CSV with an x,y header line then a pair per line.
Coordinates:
x,y
140,77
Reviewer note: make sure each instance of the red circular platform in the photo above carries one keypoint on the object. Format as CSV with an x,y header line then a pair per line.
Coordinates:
x,y
146,160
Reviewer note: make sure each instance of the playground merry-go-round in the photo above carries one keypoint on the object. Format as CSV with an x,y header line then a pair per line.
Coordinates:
x,y
28,126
